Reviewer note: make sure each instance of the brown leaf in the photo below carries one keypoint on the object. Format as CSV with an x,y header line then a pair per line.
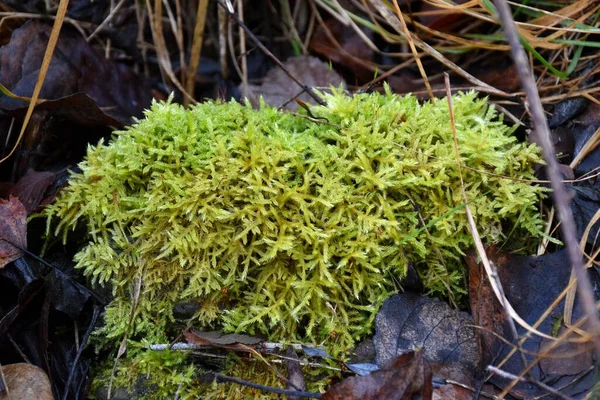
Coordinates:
x,y
406,377
29,189
454,392
279,89
219,339
13,229
342,45
76,70
531,284
409,320
294,370
24,382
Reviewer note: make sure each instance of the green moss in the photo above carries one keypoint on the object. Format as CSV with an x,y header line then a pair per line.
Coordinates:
x,y
292,227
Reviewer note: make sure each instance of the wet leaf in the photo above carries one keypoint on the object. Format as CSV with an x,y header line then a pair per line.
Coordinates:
x,y
585,203
409,321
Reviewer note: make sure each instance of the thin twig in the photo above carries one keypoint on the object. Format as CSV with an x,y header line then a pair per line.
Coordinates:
x,y
537,383
262,47
109,18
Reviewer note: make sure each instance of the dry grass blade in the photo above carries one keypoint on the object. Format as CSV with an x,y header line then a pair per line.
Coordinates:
x,y
155,17
541,385
413,49
392,19
196,48
544,353
60,16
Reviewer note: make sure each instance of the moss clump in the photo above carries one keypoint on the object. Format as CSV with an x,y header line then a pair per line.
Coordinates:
x,y
297,228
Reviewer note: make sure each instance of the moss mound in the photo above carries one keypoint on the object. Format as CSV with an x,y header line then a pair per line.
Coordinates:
x,y
294,227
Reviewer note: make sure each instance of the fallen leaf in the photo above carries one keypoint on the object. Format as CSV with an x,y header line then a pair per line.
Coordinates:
x,y
295,375
219,339
76,70
453,392
343,45
29,189
13,229
408,321
405,377
278,89
531,284
585,203
566,110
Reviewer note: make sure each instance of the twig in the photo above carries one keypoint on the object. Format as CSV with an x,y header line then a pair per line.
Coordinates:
x,y
262,47
268,346
109,18
561,197
537,383
287,392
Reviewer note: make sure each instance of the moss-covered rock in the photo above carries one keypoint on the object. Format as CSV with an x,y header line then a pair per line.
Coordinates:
x,y
296,227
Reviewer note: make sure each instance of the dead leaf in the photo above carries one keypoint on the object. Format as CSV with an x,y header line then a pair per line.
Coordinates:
x,y
219,339
76,70
279,89
13,229
530,284
343,45
294,370
454,392
409,321
29,189
406,377
25,382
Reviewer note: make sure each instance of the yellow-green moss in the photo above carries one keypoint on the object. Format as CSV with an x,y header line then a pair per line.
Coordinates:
x,y
295,228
